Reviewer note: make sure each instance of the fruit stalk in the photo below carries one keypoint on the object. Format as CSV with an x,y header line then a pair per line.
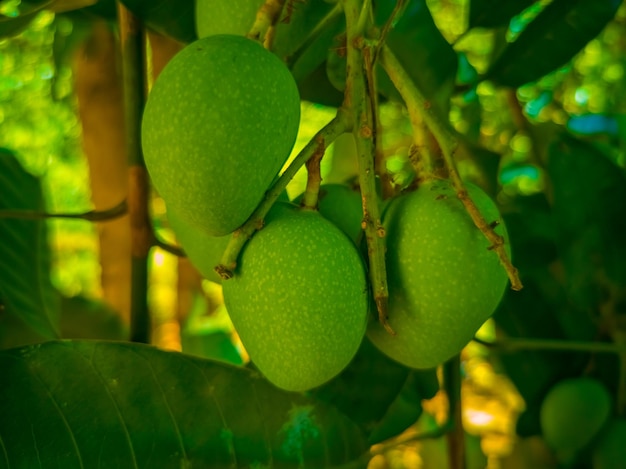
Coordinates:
x,y
318,144
142,235
357,103
265,22
420,107
314,179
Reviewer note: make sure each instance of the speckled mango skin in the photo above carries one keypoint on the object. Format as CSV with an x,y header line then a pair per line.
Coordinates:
x,y
219,123
443,280
225,16
203,251
299,299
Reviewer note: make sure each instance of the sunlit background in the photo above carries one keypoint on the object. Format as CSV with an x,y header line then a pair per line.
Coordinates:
x,y
39,121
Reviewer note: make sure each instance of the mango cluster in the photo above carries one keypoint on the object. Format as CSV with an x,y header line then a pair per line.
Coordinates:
x,y
219,124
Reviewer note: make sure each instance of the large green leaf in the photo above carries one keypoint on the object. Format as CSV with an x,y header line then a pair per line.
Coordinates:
x,y
494,13
173,18
556,35
25,287
95,404
366,388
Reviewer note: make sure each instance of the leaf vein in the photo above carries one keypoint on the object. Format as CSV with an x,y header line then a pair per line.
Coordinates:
x,y
65,422
169,410
117,409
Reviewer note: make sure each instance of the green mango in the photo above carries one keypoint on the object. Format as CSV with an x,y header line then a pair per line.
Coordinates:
x,y
572,414
225,16
444,281
203,251
299,299
219,124
341,205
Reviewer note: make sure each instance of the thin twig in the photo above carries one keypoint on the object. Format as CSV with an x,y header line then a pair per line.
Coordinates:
x,y
174,250
357,102
319,142
119,210
314,179
418,105
511,345
265,22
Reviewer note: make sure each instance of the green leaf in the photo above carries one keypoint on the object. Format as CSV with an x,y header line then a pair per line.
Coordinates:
x,y
494,13
588,190
428,58
97,404
25,287
296,29
215,345
366,388
554,37
173,18
406,409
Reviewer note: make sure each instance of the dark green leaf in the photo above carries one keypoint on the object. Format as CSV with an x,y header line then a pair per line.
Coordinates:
x,y
556,35
173,18
589,191
314,53
366,388
25,287
406,408
494,13
96,404
422,50
215,345
298,22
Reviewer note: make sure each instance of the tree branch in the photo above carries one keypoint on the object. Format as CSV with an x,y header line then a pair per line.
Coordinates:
x,y
119,210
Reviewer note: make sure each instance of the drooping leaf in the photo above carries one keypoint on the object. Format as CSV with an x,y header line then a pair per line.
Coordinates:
x,y
366,388
113,404
314,53
554,37
494,13
589,191
298,22
428,58
173,18
25,287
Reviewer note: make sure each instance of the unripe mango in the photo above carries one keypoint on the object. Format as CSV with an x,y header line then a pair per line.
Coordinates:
x,y
298,299
219,124
444,281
